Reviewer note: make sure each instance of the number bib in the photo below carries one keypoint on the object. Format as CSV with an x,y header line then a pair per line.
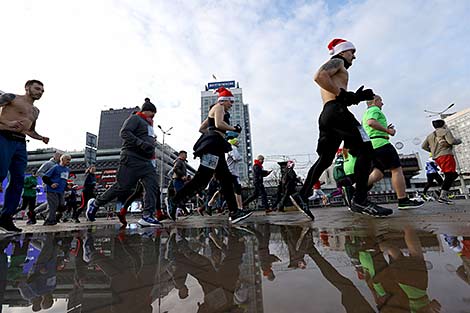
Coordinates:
x,y
210,161
364,136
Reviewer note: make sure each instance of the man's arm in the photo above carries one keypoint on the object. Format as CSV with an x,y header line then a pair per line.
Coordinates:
x,y
127,131
377,126
33,134
204,125
6,98
451,139
324,74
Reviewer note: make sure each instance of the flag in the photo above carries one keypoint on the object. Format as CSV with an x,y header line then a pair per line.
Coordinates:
x,y
213,76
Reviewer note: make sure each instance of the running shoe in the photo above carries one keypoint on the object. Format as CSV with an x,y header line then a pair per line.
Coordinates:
x,y
300,204
445,200
91,210
88,248
49,223
7,225
239,215
409,204
149,220
370,208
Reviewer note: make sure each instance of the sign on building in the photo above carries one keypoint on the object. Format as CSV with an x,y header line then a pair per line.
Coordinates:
x,y
226,84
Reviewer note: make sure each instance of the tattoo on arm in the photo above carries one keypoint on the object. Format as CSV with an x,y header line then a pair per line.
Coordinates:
x,y
6,98
332,64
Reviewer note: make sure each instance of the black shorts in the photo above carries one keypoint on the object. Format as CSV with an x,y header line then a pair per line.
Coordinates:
x,y
336,124
237,187
386,158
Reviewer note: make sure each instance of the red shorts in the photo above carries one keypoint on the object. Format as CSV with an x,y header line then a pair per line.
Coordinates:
x,y
446,163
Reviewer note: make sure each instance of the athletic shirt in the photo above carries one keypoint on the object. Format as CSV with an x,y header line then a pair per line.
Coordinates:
x,y
374,112
431,167
348,164
211,122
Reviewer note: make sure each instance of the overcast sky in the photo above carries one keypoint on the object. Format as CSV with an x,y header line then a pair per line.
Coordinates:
x,y
94,55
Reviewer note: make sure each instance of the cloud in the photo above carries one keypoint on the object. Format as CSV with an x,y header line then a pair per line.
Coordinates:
x,y
96,55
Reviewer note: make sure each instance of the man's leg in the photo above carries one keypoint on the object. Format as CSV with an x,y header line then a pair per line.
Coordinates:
x,y
53,203
430,180
151,193
13,159
253,197
224,176
375,176
16,182
264,198
398,182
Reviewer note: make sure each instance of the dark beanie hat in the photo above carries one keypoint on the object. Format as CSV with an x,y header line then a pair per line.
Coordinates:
x,y
148,106
438,123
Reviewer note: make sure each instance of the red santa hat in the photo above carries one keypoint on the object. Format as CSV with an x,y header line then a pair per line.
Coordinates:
x,y
224,94
337,45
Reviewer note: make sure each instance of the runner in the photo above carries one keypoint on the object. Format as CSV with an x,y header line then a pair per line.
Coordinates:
x,y
258,175
385,155
336,124
137,163
211,148
233,160
88,191
440,143
18,117
432,174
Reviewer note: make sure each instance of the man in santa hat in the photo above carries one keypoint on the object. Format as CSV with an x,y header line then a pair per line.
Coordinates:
x,y
211,148
336,124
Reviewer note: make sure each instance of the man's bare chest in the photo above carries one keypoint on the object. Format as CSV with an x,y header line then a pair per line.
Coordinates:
x,y
23,109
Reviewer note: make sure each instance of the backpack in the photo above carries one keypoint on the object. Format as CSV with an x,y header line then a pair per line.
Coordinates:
x,y
338,169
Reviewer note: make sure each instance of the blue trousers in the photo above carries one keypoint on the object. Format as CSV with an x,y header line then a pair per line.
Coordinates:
x,y
13,160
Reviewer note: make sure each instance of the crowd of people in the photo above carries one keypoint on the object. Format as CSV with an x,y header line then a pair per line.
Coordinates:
x,y
365,147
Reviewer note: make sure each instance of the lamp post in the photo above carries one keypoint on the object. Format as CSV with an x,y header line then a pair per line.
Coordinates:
x,y
164,132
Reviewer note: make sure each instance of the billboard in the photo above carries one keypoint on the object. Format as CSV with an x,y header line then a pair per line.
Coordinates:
x,y
226,84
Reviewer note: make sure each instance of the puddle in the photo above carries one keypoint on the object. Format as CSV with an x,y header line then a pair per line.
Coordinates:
x,y
254,268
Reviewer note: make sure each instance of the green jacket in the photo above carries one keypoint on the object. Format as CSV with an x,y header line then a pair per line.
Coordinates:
x,y
30,185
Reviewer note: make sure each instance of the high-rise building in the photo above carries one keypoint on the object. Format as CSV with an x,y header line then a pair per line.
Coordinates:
x,y
459,124
110,124
239,114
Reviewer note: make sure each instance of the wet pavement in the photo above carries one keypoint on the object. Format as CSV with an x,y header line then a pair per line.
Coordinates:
x,y
414,261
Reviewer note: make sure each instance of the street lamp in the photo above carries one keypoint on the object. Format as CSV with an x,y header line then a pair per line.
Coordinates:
x,y
164,132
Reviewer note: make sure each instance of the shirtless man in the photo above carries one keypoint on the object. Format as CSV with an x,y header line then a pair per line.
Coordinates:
x,y
18,117
336,124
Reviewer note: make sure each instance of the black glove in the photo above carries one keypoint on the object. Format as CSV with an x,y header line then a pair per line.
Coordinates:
x,y
147,147
238,128
364,94
347,97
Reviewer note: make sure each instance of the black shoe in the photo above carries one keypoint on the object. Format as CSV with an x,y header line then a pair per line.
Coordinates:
x,y
407,203
6,223
445,200
76,220
370,208
239,215
301,205
49,223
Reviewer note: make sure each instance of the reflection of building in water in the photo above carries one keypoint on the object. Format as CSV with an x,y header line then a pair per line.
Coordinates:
x,y
250,276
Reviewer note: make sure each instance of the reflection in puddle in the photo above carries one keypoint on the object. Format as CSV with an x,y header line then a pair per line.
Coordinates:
x,y
255,268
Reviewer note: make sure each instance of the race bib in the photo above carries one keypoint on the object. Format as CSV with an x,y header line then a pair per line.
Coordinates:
x,y
210,161
364,136
154,163
64,175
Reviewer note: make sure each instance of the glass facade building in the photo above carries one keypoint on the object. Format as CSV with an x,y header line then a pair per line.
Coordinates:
x,y
239,114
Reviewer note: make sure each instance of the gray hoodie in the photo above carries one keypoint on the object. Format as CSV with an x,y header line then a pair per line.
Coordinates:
x,y
440,142
138,138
